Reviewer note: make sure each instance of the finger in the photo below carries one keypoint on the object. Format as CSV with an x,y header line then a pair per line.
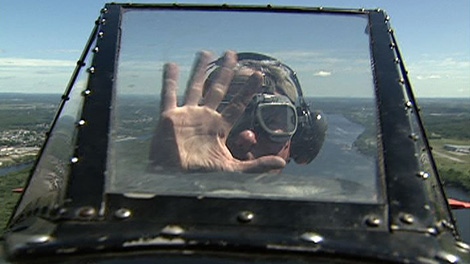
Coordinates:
x,y
262,164
221,83
169,87
238,104
196,81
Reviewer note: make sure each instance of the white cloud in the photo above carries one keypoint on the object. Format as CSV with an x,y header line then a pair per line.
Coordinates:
x,y
427,77
22,62
322,73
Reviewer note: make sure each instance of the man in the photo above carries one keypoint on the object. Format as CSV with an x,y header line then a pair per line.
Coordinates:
x,y
242,118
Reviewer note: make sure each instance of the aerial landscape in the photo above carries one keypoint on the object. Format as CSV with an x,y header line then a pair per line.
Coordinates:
x,y
25,120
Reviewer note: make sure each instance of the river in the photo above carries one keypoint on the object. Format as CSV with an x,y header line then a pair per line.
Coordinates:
x,y
11,169
344,134
462,216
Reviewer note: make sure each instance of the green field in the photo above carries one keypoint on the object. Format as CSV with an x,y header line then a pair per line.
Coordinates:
x,y
453,167
7,196
447,121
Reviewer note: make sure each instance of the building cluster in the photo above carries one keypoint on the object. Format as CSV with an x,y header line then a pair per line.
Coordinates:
x,y
19,145
21,138
457,148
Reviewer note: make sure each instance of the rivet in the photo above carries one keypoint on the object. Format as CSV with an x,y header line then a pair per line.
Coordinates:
x,y
423,174
320,8
104,10
62,211
122,213
390,30
401,80
172,230
86,92
311,237
447,257
408,104
74,160
414,137
444,223
387,18
86,212
100,34
432,231
103,21
396,60
245,216
96,49
407,218
91,70
463,246
81,63
373,221
81,122
39,239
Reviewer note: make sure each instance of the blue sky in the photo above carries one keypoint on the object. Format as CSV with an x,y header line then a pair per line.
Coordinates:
x,y
40,41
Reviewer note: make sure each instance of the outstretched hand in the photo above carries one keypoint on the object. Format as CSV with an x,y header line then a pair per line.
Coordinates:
x,y
192,137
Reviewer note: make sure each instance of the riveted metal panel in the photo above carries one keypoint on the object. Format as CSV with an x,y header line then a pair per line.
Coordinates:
x,y
86,185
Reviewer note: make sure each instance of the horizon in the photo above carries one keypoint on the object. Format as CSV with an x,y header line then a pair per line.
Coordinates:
x,y
434,40
181,96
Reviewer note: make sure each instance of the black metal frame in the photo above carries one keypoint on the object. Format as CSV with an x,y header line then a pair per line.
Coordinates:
x,y
406,223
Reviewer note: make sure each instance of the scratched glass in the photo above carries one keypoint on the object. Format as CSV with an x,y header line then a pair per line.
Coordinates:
x,y
331,57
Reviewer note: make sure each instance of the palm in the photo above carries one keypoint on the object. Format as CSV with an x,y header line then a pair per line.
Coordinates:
x,y
193,137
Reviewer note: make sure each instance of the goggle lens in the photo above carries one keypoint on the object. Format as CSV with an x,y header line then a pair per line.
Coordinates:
x,y
277,119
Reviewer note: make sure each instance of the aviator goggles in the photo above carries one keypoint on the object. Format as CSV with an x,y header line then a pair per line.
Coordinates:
x,y
274,115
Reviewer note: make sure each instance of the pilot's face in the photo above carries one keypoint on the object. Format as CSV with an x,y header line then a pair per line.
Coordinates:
x,y
247,143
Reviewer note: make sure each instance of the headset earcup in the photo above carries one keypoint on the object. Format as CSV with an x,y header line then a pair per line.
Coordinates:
x,y
308,140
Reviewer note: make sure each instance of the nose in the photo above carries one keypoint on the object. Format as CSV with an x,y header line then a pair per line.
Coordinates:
x,y
246,139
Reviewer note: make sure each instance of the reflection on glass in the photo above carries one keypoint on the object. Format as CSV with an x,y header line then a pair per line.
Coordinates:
x,y
54,164
330,56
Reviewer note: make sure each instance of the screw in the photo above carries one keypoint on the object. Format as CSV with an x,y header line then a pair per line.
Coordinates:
x,y
122,213
373,221
407,219
423,174
464,247
172,230
39,239
447,257
86,212
408,104
312,237
414,137
245,216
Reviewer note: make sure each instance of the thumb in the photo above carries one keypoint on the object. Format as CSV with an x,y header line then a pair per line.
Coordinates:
x,y
262,164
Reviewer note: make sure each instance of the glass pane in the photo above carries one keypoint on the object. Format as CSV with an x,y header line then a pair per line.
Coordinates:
x,y
325,56
53,167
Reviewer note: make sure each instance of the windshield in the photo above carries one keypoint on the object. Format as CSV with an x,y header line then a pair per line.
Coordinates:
x,y
314,128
